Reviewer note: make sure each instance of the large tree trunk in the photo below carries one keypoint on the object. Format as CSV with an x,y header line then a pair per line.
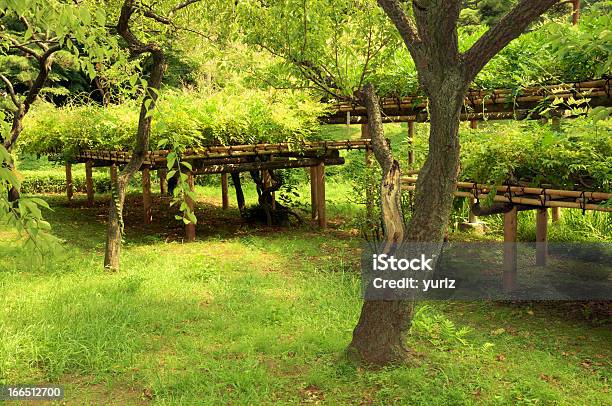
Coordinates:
x,y
433,200
379,335
444,74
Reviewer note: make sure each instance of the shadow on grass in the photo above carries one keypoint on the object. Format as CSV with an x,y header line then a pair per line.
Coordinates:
x,y
85,227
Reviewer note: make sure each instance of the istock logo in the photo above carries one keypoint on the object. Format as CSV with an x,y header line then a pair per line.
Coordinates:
x,y
384,262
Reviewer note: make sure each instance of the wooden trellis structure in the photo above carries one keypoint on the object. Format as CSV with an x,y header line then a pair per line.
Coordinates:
x,y
509,200
500,104
223,160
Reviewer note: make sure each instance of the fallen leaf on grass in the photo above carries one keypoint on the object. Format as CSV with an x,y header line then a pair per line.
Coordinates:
x,y
147,393
548,378
312,394
501,357
497,332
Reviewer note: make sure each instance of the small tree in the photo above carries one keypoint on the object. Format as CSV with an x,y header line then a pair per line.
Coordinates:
x,y
130,10
35,31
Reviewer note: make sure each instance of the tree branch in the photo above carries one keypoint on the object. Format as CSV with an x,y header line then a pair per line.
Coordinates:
x,y
182,5
11,91
404,25
497,37
381,149
23,48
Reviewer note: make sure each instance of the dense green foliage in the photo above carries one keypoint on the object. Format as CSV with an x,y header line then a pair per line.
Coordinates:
x,y
577,157
553,52
222,118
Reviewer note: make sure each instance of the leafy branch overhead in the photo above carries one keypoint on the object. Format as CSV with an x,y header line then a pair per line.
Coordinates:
x,y
36,31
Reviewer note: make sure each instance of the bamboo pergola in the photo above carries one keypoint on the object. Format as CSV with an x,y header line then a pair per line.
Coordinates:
x,y
500,104
509,200
222,160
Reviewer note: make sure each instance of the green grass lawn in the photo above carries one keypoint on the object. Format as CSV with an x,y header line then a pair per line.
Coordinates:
x,y
257,315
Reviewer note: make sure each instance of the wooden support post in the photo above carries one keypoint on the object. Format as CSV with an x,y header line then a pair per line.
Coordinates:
x,y
163,185
365,134
473,124
410,144
69,190
541,230
239,193
146,195
556,214
472,218
575,11
313,192
224,194
267,182
190,230
321,195
89,183
510,250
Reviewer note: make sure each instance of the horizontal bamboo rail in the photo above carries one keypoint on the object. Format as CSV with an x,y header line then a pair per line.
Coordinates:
x,y
528,201
213,152
525,190
256,166
593,88
497,104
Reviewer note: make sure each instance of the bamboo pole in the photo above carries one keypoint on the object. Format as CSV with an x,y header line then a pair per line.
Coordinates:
x,y
541,231
321,195
531,201
527,190
257,166
477,96
69,189
146,195
224,193
190,230
556,214
313,192
539,203
235,151
510,251
89,183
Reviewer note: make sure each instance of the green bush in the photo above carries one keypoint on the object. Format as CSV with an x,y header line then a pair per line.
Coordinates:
x,y
54,181
228,117
577,157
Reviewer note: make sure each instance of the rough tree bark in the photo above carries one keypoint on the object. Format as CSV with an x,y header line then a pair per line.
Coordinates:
x,y
444,74
378,337
115,214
